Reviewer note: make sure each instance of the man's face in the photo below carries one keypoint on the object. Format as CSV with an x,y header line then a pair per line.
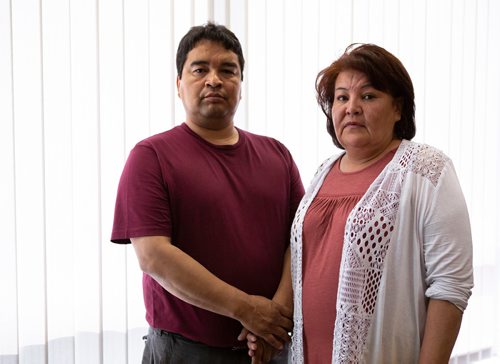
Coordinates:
x,y
210,87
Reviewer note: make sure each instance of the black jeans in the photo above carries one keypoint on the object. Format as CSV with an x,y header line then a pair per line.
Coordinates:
x,y
163,347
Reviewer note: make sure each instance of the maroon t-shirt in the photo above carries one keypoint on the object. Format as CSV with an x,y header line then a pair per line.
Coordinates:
x,y
228,207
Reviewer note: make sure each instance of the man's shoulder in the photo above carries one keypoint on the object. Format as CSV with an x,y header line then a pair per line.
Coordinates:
x,y
173,134
262,139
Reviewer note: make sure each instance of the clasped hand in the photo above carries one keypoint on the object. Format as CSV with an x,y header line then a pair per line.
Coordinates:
x,y
265,327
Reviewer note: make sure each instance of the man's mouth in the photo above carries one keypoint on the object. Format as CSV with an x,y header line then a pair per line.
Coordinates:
x,y
213,96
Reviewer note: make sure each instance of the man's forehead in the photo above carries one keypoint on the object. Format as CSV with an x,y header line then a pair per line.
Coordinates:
x,y
209,46
209,51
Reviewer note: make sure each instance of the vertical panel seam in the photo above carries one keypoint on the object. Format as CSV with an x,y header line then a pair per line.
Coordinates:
x,y
283,59
44,197
72,161
246,85
99,178
211,12
148,44
124,152
425,68
172,70
450,75
14,179
70,36
474,84
266,66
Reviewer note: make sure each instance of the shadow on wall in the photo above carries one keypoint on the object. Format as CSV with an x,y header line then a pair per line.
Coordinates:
x,y
118,348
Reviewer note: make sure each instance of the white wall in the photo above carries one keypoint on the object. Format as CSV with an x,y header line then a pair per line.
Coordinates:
x,y
82,81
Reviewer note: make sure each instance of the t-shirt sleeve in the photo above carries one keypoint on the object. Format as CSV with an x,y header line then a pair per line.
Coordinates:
x,y
142,202
296,185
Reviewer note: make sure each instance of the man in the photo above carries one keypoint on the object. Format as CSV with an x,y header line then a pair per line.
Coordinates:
x,y
208,208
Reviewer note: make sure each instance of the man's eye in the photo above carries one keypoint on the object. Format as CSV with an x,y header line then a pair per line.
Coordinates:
x,y
198,70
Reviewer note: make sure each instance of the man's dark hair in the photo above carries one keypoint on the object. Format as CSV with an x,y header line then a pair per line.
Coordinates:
x,y
214,33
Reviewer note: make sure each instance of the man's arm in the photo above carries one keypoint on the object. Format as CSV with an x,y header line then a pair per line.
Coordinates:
x,y
441,330
188,280
260,351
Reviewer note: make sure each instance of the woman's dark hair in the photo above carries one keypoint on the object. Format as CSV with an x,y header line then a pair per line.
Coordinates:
x,y
385,72
212,32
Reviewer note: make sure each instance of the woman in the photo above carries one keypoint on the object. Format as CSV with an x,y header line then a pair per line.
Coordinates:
x,y
381,243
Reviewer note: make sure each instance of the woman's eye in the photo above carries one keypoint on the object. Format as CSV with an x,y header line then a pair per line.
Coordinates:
x,y
368,97
341,98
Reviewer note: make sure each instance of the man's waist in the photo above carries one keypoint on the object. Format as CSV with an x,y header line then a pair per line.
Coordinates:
x,y
177,336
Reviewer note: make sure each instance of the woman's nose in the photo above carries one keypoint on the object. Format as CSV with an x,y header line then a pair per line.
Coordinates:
x,y
353,107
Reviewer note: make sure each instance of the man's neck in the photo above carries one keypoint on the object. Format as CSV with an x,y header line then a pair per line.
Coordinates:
x,y
228,135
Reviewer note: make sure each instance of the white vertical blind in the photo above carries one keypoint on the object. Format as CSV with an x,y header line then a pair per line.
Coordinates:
x,y
112,142
59,191
82,81
29,164
9,342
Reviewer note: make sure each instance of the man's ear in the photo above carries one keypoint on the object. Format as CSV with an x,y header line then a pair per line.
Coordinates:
x,y
178,83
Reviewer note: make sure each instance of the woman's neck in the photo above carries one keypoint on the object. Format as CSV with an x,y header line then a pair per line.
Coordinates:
x,y
355,160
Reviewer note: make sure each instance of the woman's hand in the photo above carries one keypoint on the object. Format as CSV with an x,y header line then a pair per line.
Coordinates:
x,y
260,351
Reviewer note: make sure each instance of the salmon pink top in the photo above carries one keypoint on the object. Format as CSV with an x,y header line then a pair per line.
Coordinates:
x,y
323,235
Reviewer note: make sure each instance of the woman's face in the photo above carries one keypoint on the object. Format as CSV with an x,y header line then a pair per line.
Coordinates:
x,y
363,117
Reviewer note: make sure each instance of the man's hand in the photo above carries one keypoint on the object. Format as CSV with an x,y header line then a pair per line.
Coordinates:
x,y
283,303
267,320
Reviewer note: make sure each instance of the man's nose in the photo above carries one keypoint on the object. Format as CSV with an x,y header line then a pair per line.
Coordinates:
x,y
213,79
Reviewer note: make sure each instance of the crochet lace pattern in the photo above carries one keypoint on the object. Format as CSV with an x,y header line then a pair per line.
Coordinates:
x,y
367,238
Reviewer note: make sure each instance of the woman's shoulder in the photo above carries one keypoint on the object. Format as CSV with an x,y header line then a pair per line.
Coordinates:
x,y
423,159
327,163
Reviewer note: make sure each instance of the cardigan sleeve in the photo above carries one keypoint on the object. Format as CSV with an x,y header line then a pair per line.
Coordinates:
x,y
447,241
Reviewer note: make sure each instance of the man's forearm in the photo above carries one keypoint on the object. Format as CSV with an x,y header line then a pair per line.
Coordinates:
x,y
188,280
260,351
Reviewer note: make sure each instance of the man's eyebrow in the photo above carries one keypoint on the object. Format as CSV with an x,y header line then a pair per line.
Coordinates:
x,y
206,63
198,63
230,64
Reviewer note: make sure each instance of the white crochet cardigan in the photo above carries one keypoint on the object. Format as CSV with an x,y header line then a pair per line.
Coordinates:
x,y
407,240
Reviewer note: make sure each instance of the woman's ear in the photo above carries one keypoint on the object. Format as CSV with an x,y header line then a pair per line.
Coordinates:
x,y
398,104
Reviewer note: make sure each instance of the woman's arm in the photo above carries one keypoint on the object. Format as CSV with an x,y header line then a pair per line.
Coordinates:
x,y
441,330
